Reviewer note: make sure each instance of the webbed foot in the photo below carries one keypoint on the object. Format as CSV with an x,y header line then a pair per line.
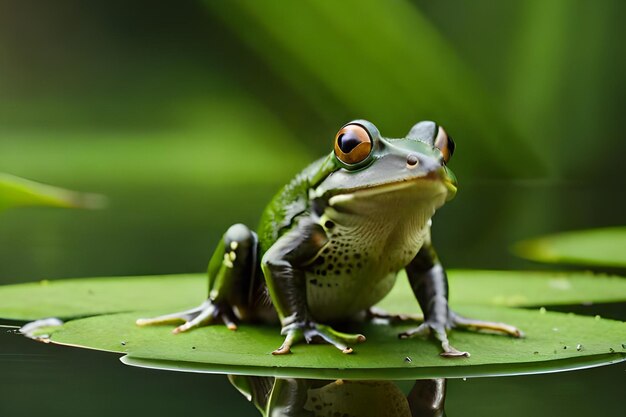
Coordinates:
x,y
311,332
439,330
205,314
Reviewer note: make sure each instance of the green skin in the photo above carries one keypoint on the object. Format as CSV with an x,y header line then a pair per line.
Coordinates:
x,y
330,245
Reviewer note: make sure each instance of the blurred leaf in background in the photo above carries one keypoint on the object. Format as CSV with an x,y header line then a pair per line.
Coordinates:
x,y
381,61
19,192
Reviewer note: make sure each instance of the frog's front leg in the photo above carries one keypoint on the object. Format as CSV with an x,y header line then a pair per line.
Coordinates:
x,y
430,285
232,272
284,267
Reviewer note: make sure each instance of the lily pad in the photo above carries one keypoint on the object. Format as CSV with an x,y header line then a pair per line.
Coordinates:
x,y
91,296
554,341
19,192
604,247
71,298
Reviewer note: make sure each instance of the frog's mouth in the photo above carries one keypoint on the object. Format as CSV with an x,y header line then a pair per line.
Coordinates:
x,y
428,186
431,187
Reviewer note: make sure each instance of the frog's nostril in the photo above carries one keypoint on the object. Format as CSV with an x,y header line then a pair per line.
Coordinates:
x,y
412,161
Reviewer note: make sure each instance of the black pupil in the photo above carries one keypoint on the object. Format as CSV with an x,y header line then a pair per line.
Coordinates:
x,y
450,145
348,141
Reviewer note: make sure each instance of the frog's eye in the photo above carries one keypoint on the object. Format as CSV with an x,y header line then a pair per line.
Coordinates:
x,y
445,144
353,144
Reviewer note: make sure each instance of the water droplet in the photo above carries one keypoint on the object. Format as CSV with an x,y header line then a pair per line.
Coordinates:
x,y
535,353
564,347
542,310
579,347
193,347
408,359
123,343
611,350
597,317
464,378
623,345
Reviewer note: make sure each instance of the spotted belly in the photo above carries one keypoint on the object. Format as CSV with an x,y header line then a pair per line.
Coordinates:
x,y
352,274
342,297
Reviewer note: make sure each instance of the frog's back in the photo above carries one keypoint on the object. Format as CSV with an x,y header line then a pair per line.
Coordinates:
x,y
291,201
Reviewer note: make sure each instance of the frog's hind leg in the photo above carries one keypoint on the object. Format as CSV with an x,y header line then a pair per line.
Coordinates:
x,y
232,282
430,285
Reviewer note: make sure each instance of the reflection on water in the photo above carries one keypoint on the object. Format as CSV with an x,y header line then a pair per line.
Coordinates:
x,y
292,397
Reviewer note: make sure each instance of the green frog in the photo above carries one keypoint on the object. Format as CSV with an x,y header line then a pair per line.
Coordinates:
x,y
332,241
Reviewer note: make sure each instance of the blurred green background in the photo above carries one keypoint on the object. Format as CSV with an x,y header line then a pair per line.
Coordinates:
x,y
188,116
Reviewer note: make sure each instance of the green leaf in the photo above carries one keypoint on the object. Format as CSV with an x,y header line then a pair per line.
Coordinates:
x,y
91,296
19,192
520,289
604,247
554,341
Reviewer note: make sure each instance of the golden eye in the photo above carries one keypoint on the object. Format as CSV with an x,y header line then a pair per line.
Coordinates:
x,y
352,144
445,144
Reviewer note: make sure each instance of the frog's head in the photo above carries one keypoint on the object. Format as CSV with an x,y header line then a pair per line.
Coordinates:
x,y
366,161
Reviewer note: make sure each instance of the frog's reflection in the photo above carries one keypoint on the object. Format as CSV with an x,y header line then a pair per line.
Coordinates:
x,y
275,397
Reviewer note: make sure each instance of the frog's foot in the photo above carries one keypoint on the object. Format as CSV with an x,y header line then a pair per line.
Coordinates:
x,y
489,326
439,330
377,313
206,313
313,332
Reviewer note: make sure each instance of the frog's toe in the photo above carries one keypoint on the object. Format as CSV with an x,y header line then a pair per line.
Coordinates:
x,y
312,332
349,338
451,352
283,349
421,330
471,324
206,313
440,333
203,317
377,313
293,336
172,318
333,337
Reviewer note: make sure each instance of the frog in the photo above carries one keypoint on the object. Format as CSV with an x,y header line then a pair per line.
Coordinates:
x,y
332,241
